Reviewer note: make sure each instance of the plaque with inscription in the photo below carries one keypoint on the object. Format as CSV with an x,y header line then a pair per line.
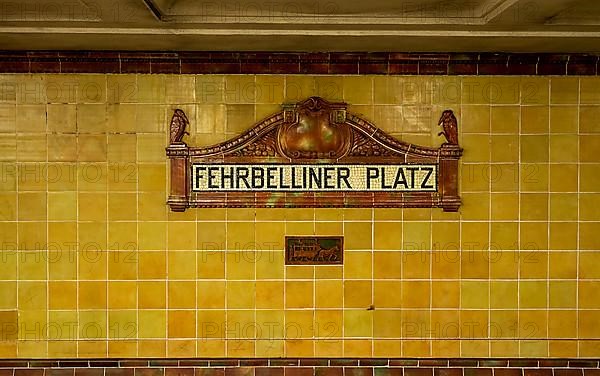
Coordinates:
x,y
314,250
314,154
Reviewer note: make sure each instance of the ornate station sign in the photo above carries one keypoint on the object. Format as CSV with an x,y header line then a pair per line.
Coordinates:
x,y
314,154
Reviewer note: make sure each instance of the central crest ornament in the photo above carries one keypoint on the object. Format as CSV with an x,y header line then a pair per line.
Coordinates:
x,y
315,129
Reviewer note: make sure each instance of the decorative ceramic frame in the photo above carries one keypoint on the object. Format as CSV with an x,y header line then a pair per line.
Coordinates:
x,y
354,141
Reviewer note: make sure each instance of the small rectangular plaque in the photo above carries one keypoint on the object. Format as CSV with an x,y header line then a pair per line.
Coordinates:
x,y
314,250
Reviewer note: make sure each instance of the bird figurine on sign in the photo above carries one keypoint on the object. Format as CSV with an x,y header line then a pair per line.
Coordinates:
x,y
449,127
178,124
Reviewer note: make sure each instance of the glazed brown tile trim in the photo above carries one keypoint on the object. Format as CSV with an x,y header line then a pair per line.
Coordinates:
x,y
301,367
382,63
314,154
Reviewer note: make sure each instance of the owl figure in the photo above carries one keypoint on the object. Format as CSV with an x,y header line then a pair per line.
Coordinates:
x,y
449,127
178,124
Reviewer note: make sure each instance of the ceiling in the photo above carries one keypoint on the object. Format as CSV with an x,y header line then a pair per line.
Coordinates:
x,y
302,25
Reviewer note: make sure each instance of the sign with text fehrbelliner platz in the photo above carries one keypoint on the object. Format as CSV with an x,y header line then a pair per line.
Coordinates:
x,y
314,154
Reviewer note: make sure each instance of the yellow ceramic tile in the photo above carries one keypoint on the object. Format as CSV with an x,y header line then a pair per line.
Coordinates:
x,y
563,119
92,294
474,294
416,294
534,177
329,87
445,294
563,177
91,118
329,293
505,148
358,89
533,238
475,236
61,118
416,264
475,119
505,119
240,235
181,235
92,177
181,324
299,294
534,148
122,236
152,294
9,259
564,90
122,295
563,207
358,323
387,90
33,265
416,236
564,264
357,235
587,203
269,264
504,294
62,147
474,264
588,148
387,294
8,209
241,295
303,324
8,118
32,235
387,264
32,206
387,324
563,148
357,264
240,265
388,235
587,260
32,295
92,148
123,324
534,206
587,292
478,146
152,265
358,294
120,118
269,294
587,235
270,235
475,90
211,264
587,119
563,349
182,265
563,235
589,90
532,294
8,292
181,294
534,90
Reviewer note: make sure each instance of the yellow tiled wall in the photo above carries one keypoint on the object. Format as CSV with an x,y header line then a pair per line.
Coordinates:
x,y
94,265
